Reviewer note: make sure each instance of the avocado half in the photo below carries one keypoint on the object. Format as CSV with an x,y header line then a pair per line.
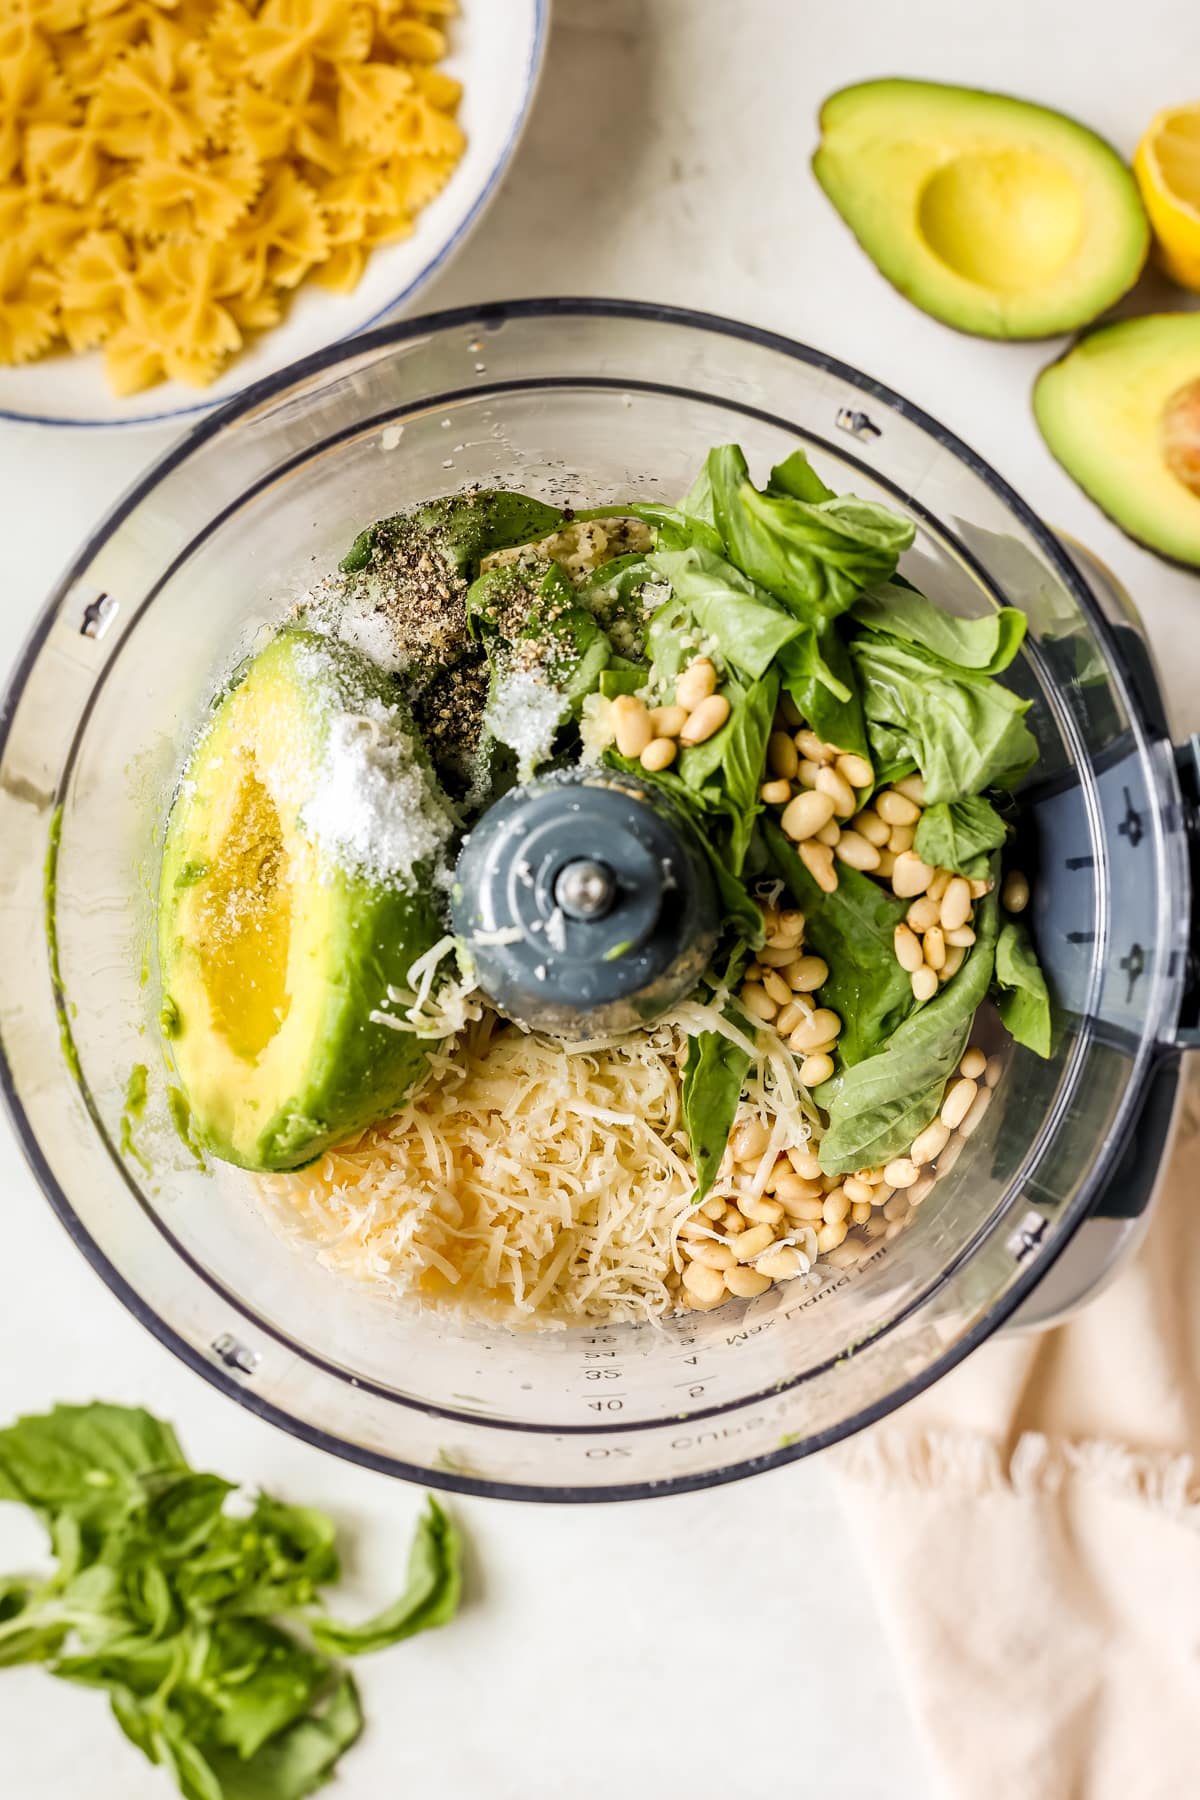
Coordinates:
x,y
999,217
1121,412
273,953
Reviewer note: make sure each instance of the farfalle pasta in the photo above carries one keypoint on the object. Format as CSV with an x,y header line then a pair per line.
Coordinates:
x,y
171,170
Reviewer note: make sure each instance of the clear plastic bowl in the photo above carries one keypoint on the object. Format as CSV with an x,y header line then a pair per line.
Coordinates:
x,y
584,402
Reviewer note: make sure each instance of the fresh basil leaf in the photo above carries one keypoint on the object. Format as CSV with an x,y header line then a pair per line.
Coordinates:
x,y
258,1681
675,528
84,1457
853,931
819,676
299,1760
983,646
181,1516
964,734
736,756
1022,996
194,1775
430,1598
816,558
796,476
877,1107
617,679
954,834
748,627
713,1076
464,528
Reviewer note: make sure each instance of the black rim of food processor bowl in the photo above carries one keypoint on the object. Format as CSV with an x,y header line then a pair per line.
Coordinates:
x,y
493,315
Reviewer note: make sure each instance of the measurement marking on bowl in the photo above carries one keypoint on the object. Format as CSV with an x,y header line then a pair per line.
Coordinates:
x,y
858,424
98,615
234,1354
1028,1235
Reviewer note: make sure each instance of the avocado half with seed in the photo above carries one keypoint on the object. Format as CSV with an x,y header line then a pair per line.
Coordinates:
x,y
1121,412
275,952
999,217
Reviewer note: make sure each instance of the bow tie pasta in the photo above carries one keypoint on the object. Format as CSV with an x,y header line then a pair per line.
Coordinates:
x,y
171,169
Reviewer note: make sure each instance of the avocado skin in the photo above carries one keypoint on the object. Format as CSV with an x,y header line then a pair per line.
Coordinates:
x,y
1099,408
877,189
331,1070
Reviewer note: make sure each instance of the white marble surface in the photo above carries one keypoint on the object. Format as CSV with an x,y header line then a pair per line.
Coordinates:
x,y
726,1643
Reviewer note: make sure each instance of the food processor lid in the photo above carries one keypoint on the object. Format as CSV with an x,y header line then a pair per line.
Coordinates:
x,y
585,904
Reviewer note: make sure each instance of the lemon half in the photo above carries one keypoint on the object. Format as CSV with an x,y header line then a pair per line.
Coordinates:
x,y
1167,166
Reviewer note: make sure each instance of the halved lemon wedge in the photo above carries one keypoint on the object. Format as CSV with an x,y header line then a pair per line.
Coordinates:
x,y
1167,166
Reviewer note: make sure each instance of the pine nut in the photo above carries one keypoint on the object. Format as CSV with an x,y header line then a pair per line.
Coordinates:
x,y
812,1034
818,860
752,972
776,987
810,745
775,793
934,948
883,1194
704,1284
830,1236
792,1189
782,757
760,1212
974,1118
939,884
746,1283
792,717
995,1069
808,1212
896,809
856,852
779,957
836,1207
807,772
839,791
659,753
711,1254
713,1209
900,1174
930,1143
1014,895
816,1069
806,974
908,948
631,724
789,1017
961,938
956,904
857,1191
696,684
910,876
695,1228
860,1212
924,983
960,1097
830,834
748,1140
901,838
887,863
668,721
757,1002
855,769
954,961
733,1222
780,1265
912,787
753,1242
805,1162
950,1155
869,825
804,816
897,1207
923,913
973,1064
792,922
706,720
980,887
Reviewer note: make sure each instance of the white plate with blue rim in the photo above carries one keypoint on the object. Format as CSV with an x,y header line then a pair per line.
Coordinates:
x,y
496,52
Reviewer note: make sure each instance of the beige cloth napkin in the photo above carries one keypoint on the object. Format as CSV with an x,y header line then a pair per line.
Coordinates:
x,y
1032,1529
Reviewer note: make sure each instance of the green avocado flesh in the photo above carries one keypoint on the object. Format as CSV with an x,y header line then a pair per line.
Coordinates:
x,y
1121,412
999,217
273,955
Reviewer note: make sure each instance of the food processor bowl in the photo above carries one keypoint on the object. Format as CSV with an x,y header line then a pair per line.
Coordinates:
x,y
583,402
